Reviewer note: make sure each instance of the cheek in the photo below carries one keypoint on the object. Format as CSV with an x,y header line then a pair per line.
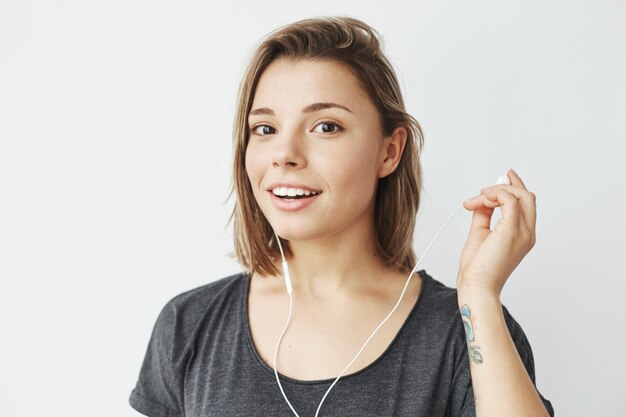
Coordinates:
x,y
355,170
251,166
365,160
253,173
256,169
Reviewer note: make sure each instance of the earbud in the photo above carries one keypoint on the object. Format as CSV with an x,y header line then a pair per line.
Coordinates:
x,y
503,180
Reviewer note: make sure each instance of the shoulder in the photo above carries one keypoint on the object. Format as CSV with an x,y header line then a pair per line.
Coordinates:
x,y
439,319
160,386
181,315
196,299
442,311
440,301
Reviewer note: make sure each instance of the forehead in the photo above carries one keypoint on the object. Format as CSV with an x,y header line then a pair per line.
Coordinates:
x,y
294,83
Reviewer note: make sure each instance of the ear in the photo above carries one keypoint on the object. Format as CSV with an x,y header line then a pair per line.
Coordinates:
x,y
393,146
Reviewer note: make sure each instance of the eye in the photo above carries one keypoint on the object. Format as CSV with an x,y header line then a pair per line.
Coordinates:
x,y
329,127
268,130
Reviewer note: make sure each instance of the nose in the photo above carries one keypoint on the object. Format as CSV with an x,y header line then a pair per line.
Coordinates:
x,y
289,151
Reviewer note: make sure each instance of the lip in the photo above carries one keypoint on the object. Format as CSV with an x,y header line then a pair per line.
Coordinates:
x,y
294,205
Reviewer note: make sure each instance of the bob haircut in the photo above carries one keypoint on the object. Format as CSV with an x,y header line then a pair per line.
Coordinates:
x,y
355,45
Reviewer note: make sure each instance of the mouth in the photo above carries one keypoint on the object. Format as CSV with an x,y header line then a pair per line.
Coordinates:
x,y
291,200
293,194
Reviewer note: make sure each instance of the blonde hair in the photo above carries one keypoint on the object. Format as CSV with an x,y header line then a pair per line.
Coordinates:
x,y
355,45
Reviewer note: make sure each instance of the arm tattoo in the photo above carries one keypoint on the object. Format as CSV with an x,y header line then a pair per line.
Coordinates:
x,y
469,335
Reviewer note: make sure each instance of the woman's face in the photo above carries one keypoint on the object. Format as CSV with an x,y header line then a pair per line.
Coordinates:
x,y
313,128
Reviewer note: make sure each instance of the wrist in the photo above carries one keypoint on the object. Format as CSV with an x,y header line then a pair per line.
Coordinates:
x,y
474,291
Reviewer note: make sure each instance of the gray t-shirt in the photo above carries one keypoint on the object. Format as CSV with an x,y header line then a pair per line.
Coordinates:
x,y
201,362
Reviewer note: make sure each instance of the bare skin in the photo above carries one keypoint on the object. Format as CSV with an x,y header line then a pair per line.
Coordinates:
x,y
312,124
326,332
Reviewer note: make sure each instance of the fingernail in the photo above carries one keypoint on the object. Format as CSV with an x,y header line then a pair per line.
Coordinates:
x,y
514,172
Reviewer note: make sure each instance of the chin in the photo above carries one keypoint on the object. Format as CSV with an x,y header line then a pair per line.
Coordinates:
x,y
295,233
298,230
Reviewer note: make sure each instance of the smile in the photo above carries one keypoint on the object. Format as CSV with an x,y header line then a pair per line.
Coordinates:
x,y
290,201
292,192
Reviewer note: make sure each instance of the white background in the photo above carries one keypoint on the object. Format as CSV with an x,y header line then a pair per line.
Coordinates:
x,y
115,155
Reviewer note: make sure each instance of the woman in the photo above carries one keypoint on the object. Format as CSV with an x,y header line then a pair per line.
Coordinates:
x,y
327,159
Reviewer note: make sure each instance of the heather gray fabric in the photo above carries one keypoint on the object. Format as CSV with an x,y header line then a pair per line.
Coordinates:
x,y
201,362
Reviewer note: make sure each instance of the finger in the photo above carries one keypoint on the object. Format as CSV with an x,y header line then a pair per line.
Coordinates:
x,y
515,179
509,204
481,218
528,232
527,200
480,201
482,206
512,213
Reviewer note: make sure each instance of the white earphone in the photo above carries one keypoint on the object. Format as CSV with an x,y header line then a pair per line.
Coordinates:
x,y
501,180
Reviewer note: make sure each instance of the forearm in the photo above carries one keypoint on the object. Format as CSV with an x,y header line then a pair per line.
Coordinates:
x,y
501,384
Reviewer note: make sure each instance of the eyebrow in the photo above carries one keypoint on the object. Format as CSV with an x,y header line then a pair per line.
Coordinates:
x,y
308,109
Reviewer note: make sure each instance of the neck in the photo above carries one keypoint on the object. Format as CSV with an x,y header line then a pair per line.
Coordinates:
x,y
341,262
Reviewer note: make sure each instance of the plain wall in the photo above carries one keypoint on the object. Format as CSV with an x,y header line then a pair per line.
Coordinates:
x,y
115,154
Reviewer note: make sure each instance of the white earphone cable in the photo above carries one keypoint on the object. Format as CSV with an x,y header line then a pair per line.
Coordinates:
x,y
276,354
289,292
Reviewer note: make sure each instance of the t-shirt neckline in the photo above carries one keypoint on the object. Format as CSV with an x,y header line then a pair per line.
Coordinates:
x,y
284,378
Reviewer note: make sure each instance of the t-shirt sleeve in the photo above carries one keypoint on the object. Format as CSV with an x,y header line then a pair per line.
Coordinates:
x,y
158,392
463,393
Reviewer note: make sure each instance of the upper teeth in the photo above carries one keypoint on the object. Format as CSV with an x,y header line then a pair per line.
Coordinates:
x,y
292,192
